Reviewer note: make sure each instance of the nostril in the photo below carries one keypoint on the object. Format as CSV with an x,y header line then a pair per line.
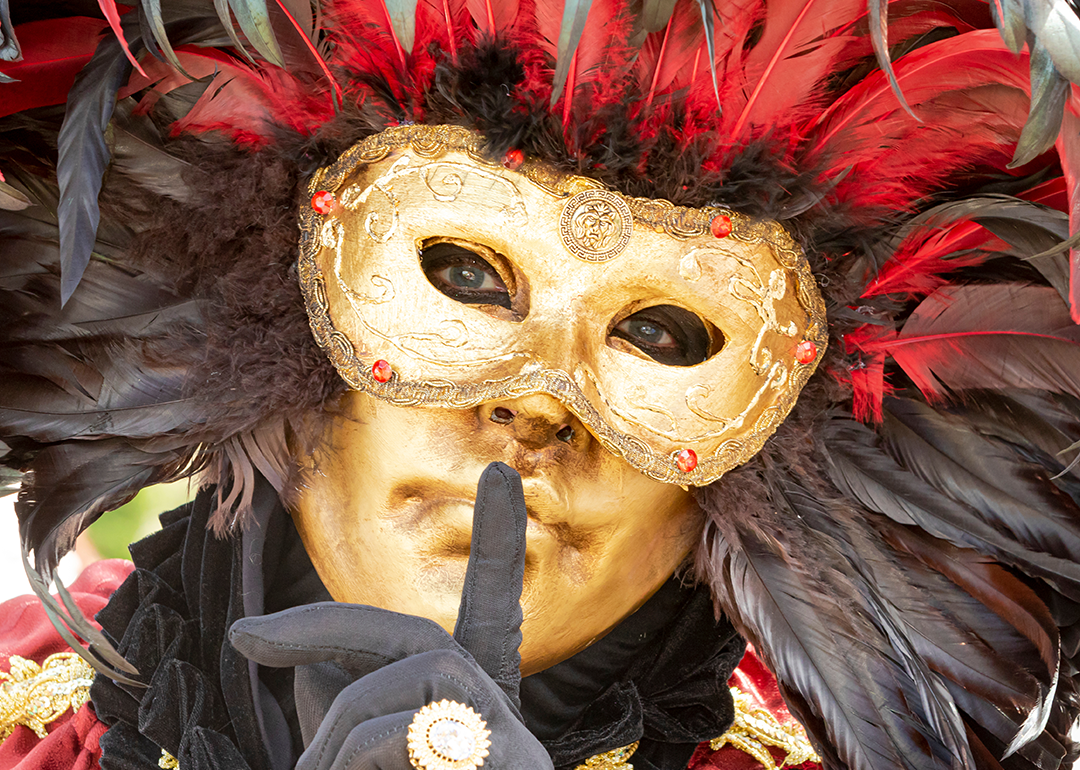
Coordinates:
x,y
565,434
502,415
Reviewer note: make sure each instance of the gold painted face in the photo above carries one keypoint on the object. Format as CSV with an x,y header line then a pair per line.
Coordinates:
x,y
386,516
466,282
584,338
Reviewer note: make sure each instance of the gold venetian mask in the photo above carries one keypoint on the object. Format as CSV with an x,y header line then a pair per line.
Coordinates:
x,y
439,278
589,340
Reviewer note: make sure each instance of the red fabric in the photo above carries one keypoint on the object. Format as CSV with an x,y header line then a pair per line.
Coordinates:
x,y
54,50
757,681
72,743
26,631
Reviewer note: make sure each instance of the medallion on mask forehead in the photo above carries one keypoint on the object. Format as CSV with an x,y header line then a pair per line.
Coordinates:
x,y
595,225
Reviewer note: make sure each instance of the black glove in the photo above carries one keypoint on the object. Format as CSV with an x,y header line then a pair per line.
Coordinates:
x,y
367,671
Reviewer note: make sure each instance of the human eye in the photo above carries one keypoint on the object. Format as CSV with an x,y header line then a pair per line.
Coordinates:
x,y
461,272
669,335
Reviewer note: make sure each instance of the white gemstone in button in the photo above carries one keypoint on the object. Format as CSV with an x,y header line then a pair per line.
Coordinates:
x,y
452,739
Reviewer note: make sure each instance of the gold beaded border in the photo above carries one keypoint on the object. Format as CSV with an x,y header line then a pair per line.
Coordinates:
x,y
678,222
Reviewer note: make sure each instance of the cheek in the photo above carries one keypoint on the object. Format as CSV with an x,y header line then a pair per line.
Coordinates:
x,y
606,490
382,442
661,525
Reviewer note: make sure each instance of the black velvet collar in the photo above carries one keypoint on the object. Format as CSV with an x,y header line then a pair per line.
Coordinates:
x,y
659,677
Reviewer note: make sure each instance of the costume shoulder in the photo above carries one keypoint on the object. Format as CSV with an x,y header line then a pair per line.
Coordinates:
x,y
46,720
764,735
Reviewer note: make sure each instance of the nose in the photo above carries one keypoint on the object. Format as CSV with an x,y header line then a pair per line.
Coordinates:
x,y
536,421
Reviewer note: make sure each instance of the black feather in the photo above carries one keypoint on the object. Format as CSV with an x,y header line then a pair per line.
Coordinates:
x,y
138,152
84,155
879,38
837,645
1049,90
916,480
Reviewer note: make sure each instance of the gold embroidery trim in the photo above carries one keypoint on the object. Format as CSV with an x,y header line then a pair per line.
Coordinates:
x,y
755,729
616,759
35,696
168,761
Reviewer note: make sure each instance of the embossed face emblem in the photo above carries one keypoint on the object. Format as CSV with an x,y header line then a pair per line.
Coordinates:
x,y
595,225
478,283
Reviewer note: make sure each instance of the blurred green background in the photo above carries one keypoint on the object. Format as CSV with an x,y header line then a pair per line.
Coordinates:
x,y
111,534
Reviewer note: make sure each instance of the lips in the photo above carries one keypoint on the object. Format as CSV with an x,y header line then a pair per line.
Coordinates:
x,y
432,507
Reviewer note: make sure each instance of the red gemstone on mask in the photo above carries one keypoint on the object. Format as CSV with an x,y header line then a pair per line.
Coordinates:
x,y
323,201
721,226
805,352
686,460
513,159
382,371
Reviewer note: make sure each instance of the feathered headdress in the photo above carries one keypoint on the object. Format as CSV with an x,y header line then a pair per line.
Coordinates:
x,y
904,553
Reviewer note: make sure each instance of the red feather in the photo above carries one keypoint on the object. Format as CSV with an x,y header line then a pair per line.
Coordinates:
x,y
988,336
112,14
671,59
1053,193
441,25
908,23
799,46
660,58
548,21
599,64
868,375
241,102
54,50
968,61
443,20
364,38
972,98
492,15
306,45
915,269
398,48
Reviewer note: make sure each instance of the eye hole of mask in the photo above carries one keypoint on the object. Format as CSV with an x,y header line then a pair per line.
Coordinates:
x,y
669,335
462,274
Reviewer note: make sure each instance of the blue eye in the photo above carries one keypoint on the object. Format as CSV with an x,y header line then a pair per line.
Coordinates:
x,y
471,277
668,334
463,275
646,331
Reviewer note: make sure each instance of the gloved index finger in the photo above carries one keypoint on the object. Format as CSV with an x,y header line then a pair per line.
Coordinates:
x,y
359,637
489,619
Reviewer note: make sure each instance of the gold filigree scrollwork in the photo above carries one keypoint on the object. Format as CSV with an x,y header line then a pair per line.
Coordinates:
x,y
451,334
37,695
443,181
384,292
167,761
755,729
331,235
616,759
762,296
699,393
